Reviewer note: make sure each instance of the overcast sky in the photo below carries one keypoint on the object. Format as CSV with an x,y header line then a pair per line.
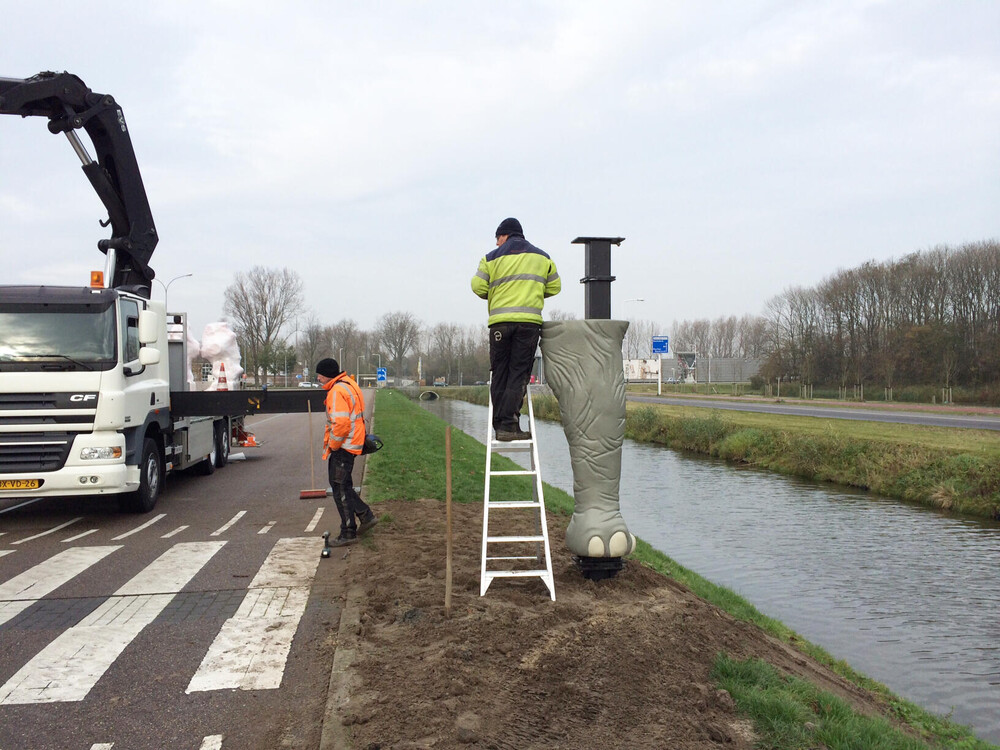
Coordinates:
x,y
741,148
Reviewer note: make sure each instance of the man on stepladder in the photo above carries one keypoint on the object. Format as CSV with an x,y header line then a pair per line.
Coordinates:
x,y
515,279
343,441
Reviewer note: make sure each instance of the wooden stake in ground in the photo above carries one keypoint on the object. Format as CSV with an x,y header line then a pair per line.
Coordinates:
x,y
447,505
309,494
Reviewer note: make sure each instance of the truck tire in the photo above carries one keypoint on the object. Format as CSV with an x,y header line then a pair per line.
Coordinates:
x,y
144,499
207,466
222,444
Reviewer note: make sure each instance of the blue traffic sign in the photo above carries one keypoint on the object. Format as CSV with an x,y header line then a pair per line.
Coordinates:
x,y
380,375
661,344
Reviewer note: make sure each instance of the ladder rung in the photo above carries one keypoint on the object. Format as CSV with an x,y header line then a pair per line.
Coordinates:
x,y
512,557
515,504
513,473
519,446
517,573
515,538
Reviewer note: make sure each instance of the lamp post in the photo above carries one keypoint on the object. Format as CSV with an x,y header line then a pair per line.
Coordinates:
x,y
358,372
636,299
166,287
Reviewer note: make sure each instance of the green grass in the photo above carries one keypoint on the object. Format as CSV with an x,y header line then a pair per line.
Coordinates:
x,y
412,466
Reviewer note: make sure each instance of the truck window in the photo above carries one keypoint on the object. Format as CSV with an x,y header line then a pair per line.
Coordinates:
x,y
130,330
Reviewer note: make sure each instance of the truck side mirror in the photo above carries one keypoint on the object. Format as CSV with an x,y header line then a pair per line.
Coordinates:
x,y
149,356
149,328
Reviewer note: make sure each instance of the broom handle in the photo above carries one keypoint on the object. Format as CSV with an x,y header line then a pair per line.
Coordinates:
x,y
312,459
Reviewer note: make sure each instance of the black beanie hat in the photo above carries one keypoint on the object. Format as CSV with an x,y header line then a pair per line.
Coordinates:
x,y
328,368
510,226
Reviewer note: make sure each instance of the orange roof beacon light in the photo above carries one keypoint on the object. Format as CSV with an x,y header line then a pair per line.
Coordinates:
x,y
97,279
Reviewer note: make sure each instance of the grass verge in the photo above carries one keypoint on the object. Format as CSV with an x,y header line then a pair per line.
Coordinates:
x,y
412,467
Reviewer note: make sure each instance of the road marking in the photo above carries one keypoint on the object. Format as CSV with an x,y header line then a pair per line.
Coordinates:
x,y
33,584
21,505
267,528
137,529
251,649
71,665
5,552
315,520
229,524
50,531
79,536
103,746
169,534
212,742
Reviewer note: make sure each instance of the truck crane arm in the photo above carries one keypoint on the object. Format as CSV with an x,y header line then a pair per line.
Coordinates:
x,y
70,105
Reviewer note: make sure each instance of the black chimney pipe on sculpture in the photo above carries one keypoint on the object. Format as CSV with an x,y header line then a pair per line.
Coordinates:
x,y
598,278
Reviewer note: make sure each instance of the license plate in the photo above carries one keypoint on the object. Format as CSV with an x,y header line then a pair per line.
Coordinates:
x,y
20,484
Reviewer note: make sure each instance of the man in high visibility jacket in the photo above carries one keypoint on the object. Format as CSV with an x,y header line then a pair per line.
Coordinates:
x,y
515,279
343,440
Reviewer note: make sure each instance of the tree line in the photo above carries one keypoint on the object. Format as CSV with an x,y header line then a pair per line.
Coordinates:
x,y
929,318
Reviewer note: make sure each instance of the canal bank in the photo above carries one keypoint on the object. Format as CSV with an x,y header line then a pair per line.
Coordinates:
x,y
903,593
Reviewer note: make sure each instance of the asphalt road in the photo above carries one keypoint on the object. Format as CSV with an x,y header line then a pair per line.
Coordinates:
x,y
936,419
207,623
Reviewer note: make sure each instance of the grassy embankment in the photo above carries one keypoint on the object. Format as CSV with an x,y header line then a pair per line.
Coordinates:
x,y
784,711
951,469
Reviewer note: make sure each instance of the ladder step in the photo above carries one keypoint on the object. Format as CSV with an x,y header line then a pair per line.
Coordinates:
x,y
517,573
514,447
515,504
512,557
538,538
513,473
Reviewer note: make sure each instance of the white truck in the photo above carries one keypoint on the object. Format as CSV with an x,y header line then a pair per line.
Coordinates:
x,y
88,374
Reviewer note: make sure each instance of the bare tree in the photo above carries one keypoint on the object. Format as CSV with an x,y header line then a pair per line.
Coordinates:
x,y
398,332
312,343
261,302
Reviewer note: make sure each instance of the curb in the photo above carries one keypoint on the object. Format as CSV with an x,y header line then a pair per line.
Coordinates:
x,y
335,735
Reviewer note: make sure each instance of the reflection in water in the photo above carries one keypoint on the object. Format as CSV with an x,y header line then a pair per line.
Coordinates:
x,y
906,595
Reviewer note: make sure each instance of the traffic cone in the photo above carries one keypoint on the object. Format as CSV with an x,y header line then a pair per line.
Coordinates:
x,y
223,384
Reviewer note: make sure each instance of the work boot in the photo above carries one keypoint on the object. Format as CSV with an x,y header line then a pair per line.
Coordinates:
x,y
505,436
367,522
345,538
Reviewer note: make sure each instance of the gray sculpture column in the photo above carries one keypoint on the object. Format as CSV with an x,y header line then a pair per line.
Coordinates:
x,y
583,366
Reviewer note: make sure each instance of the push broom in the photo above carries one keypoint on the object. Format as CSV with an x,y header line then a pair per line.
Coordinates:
x,y
311,494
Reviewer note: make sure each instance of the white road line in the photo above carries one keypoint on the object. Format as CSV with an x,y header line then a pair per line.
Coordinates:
x,y
137,529
212,742
5,552
224,528
315,520
79,536
169,534
23,590
267,528
50,531
71,665
21,505
103,746
251,649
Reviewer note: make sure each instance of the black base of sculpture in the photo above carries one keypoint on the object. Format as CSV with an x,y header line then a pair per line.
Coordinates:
x,y
599,568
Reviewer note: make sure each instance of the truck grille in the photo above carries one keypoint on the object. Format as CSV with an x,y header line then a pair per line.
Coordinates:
x,y
22,452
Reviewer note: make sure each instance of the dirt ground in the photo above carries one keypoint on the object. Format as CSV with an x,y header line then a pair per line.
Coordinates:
x,y
620,663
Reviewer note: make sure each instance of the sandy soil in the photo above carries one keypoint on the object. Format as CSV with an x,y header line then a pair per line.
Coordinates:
x,y
621,663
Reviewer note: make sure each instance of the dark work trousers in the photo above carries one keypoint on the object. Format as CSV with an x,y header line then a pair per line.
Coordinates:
x,y
512,354
348,502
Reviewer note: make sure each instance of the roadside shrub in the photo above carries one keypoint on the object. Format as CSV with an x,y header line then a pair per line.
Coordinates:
x,y
746,445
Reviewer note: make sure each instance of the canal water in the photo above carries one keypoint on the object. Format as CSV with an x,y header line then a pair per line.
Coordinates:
x,y
906,595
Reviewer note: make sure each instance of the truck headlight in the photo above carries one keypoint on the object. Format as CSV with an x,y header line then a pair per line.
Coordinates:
x,y
92,454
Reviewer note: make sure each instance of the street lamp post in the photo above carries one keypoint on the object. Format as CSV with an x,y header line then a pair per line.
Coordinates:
x,y
358,372
166,287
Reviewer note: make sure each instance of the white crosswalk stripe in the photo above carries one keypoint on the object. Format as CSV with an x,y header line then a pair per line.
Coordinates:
x,y
71,665
23,590
251,649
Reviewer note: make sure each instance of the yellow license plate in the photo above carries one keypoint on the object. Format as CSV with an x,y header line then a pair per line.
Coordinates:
x,y
19,484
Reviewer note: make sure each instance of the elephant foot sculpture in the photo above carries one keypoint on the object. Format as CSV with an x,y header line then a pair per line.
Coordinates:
x,y
583,366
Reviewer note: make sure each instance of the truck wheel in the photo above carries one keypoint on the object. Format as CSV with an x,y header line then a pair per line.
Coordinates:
x,y
150,480
207,467
222,441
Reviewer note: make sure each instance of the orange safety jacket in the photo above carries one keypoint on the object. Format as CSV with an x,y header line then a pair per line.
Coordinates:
x,y
345,421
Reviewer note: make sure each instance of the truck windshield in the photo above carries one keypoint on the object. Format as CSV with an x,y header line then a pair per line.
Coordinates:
x,y
50,337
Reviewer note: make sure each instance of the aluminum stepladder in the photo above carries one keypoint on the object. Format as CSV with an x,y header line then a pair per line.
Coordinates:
x,y
537,502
